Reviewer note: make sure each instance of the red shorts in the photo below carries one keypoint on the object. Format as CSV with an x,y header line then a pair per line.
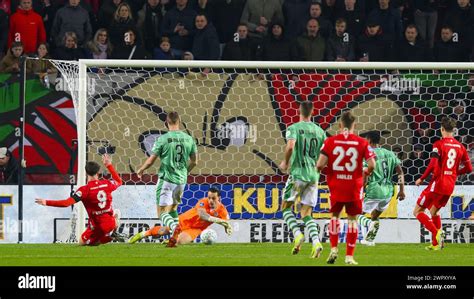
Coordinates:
x,y
428,199
353,208
99,233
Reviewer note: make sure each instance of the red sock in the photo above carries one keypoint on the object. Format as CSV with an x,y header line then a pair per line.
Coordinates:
x,y
428,223
334,232
351,240
436,221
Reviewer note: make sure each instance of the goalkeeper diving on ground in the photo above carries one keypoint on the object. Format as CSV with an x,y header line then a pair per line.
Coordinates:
x,y
193,222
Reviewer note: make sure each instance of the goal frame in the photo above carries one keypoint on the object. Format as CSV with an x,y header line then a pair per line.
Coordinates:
x,y
81,102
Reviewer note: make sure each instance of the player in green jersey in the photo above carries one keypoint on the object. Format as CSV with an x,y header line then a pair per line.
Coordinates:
x,y
304,141
177,152
379,187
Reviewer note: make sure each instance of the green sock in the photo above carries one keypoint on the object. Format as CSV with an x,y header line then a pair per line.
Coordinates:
x,y
290,220
168,221
364,221
312,229
174,214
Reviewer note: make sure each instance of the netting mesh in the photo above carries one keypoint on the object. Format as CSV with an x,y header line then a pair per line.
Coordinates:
x,y
238,118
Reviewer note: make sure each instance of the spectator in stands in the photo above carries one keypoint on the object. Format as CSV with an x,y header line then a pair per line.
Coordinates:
x,y
373,45
426,18
242,47
412,48
70,49
315,12
130,49
8,167
447,49
6,6
354,16
123,21
461,20
11,62
259,14
341,45
206,41
99,47
72,18
26,26
311,46
164,51
3,32
41,67
276,47
178,25
389,20
47,11
330,11
107,12
149,24
292,12
226,17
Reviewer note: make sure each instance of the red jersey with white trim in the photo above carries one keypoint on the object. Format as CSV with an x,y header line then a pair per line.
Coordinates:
x,y
345,153
97,198
451,154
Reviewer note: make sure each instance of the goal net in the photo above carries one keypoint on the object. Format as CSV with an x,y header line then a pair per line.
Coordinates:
x,y
238,113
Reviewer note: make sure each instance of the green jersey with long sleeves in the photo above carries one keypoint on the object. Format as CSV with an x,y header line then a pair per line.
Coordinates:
x,y
309,138
380,184
174,149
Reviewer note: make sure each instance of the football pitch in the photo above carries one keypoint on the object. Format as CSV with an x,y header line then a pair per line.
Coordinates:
x,y
253,254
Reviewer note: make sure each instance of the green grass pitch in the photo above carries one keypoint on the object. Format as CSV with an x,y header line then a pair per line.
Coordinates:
x,y
254,254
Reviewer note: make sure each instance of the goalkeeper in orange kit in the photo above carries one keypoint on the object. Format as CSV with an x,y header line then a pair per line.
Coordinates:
x,y
207,211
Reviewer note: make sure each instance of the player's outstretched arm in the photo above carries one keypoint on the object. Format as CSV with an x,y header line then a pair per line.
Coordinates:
x,y
401,182
56,203
108,163
148,163
192,162
206,217
290,145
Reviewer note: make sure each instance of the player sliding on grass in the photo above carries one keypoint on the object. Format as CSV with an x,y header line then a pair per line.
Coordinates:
x,y
97,199
304,140
178,154
446,157
379,189
343,153
191,223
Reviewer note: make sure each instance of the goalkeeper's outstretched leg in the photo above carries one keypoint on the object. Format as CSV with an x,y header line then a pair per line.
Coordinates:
x,y
192,222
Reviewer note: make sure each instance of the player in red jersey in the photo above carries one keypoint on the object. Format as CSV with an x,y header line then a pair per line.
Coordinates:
x,y
344,154
446,158
97,199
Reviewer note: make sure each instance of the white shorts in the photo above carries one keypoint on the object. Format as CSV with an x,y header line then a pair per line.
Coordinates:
x,y
369,205
168,193
306,191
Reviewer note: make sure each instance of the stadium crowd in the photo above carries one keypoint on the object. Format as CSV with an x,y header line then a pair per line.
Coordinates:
x,y
303,30
272,30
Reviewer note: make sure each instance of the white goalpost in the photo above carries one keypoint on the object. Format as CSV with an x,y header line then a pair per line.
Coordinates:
x,y
238,111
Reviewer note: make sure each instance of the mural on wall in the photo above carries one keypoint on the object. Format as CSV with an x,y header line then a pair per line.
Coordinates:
x,y
130,114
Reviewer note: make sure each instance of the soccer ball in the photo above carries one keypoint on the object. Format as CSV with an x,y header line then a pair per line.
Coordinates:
x,y
209,236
